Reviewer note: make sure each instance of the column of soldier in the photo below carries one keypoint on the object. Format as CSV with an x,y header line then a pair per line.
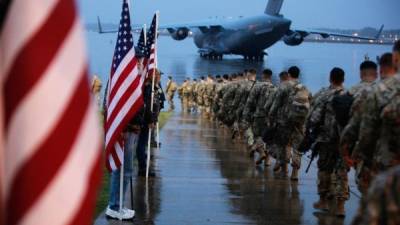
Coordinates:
x,y
355,128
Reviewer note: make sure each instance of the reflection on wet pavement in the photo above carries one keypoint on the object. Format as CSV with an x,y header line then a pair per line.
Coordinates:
x,y
204,178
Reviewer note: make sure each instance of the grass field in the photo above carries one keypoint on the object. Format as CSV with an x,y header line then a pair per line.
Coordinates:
x,y
102,199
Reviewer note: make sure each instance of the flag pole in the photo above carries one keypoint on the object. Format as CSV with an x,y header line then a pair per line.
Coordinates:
x,y
156,63
152,97
158,136
121,183
149,135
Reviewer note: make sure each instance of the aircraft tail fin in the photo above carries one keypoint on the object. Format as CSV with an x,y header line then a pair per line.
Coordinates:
x,y
99,25
378,35
274,7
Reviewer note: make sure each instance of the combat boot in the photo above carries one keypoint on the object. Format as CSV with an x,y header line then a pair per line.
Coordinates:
x,y
284,171
322,204
277,167
340,211
295,174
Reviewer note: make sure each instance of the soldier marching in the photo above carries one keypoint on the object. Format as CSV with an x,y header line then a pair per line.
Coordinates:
x,y
356,128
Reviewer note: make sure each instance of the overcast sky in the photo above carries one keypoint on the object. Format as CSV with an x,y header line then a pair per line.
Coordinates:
x,y
303,13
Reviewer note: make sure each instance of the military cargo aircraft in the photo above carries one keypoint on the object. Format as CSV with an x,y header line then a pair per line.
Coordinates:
x,y
248,37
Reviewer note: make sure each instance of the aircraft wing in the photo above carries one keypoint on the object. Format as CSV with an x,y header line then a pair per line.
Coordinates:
x,y
204,26
199,25
305,33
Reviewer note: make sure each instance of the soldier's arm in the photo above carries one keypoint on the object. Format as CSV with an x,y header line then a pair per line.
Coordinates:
x,y
316,114
227,96
250,104
369,127
237,98
349,136
270,96
350,133
277,102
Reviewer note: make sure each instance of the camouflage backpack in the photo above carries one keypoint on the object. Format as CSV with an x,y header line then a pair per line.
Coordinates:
x,y
209,89
187,90
298,104
173,87
342,104
200,94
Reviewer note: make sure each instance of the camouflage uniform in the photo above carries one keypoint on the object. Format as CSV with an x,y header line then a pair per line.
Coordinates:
x,y
193,97
201,88
332,172
225,113
291,133
219,93
255,113
241,94
208,97
240,102
377,147
380,127
382,205
350,133
171,89
186,94
212,96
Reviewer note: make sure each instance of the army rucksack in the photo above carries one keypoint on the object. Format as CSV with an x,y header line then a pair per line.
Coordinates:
x,y
342,104
209,89
187,90
298,104
173,87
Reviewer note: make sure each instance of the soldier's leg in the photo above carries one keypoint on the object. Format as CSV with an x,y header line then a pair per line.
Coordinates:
x,y
195,106
276,150
341,190
363,176
323,185
297,138
210,112
184,104
172,103
296,163
249,135
284,155
285,160
187,104
325,171
206,111
260,148
190,105
258,126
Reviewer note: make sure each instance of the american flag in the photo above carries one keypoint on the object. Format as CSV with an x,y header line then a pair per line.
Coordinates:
x,y
124,97
149,49
51,137
141,42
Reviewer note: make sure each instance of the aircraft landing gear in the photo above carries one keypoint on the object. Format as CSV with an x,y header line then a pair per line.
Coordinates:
x,y
212,56
254,58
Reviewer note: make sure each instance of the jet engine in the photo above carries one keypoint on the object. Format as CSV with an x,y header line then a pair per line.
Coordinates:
x,y
293,39
179,34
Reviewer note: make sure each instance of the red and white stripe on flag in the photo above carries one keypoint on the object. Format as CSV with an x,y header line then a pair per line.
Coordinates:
x,y
125,95
52,137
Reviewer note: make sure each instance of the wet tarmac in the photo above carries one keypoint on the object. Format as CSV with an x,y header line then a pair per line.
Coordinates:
x,y
204,178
